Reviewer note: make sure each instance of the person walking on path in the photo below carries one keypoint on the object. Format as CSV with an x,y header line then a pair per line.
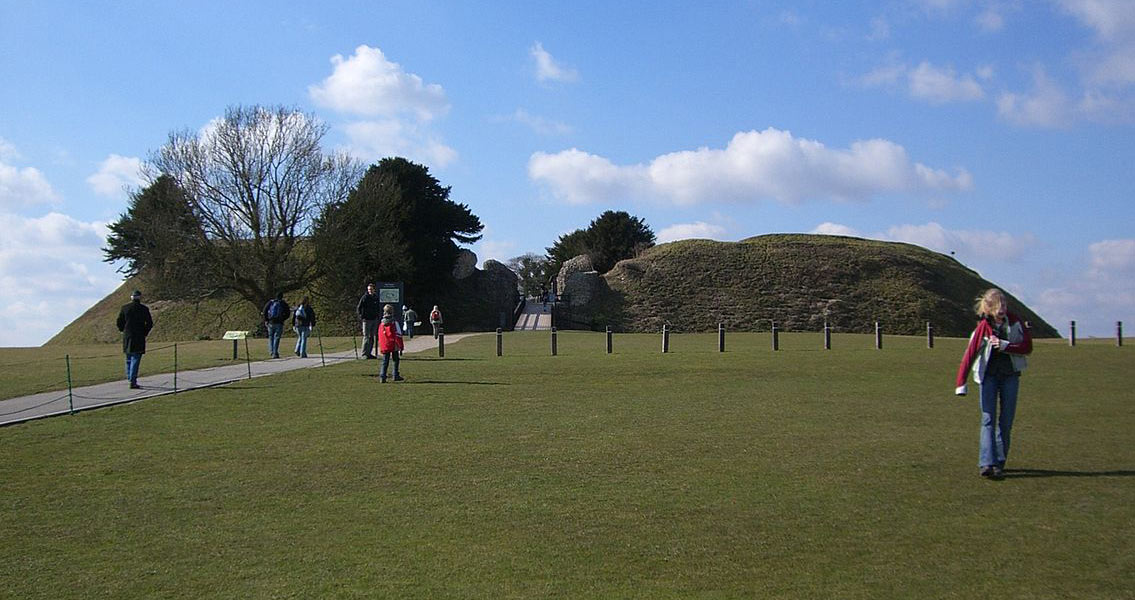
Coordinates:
x,y
369,310
996,355
303,321
435,320
275,314
135,323
389,343
408,317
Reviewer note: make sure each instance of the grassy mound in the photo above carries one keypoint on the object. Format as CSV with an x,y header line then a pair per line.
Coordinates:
x,y
798,281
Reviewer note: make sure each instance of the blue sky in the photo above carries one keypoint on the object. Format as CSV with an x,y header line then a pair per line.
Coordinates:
x,y
1000,131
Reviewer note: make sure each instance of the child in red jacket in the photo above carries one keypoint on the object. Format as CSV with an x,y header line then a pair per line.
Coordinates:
x,y
389,342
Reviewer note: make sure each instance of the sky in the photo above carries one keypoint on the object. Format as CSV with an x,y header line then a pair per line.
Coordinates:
x,y
1001,132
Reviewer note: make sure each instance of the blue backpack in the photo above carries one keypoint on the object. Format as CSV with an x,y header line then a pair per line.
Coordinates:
x,y
275,310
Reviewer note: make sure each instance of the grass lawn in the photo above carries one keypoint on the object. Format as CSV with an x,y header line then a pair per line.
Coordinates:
x,y
849,473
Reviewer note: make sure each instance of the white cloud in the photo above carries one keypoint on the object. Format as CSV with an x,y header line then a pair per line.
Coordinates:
x,y
25,186
941,85
1113,20
539,124
687,231
937,85
1103,293
990,20
374,140
1046,105
829,228
547,69
1113,257
967,245
755,165
500,251
8,151
115,175
368,84
50,269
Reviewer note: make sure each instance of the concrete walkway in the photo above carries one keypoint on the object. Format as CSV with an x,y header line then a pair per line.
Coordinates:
x,y
49,404
536,317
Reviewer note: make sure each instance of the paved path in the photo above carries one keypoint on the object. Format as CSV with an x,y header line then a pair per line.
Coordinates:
x,y
49,404
536,317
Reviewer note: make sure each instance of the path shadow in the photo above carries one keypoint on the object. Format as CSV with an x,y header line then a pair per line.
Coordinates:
x,y
1025,473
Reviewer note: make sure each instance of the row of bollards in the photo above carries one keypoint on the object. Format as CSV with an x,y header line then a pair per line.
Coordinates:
x,y
827,331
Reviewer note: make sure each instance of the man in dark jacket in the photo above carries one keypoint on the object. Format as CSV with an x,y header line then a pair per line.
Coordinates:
x,y
135,323
369,310
275,313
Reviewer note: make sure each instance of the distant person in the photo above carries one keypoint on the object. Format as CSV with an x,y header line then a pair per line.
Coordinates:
x,y
389,343
276,312
409,317
996,355
303,321
369,310
135,323
435,320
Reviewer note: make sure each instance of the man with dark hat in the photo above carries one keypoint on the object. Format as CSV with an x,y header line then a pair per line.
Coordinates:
x,y
135,323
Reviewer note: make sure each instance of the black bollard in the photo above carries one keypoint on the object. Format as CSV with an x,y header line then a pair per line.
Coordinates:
x,y
608,339
440,342
721,337
775,337
665,338
553,341
878,336
1119,333
1072,338
929,335
500,342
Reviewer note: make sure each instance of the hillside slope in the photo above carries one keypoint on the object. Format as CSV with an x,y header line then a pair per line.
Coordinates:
x,y
798,281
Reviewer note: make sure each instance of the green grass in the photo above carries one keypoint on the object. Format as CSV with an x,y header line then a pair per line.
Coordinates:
x,y
848,473
25,371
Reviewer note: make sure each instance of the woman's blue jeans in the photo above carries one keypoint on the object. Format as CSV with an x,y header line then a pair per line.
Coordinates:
x,y
303,331
998,407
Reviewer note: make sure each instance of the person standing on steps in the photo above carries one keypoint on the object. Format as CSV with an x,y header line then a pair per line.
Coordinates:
x,y
389,343
996,355
135,323
275,314
303,321
369,310
435,320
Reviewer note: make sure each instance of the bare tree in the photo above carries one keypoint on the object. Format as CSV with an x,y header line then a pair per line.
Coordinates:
x,y
255,179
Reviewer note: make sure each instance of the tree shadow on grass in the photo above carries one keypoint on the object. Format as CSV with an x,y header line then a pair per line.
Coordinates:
x,y
1024,473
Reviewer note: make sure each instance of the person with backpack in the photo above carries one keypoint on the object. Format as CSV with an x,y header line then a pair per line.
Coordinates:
x,y
275,313
303,321
408,317
389,343
369,309
435,320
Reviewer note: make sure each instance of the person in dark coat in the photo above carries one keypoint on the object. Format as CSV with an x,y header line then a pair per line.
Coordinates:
x,y
369,311
135,323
